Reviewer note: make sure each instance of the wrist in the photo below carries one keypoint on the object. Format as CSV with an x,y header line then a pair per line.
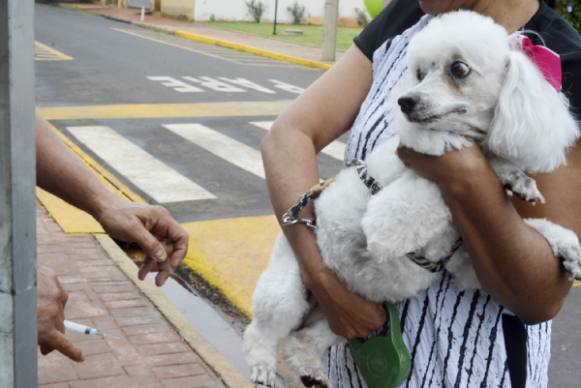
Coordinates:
x,y
104,202
315,280
467,181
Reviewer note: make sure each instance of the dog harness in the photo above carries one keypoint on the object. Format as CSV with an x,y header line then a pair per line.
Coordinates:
x,y
293,215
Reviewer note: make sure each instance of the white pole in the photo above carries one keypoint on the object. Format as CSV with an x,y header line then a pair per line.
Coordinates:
x,y
18,349
142,18
330,34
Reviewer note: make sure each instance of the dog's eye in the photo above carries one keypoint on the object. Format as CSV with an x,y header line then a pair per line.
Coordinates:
x,y
419,74
459,70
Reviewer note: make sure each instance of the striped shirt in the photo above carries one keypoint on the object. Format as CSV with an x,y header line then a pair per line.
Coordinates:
x,y
455,338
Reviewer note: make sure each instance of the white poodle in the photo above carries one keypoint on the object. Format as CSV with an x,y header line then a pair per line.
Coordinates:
x,y
468,84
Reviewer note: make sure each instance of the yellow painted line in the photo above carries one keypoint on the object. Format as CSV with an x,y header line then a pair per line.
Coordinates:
x,y
47,53
230,254
146,111
252,50
228,373
75,221
576,283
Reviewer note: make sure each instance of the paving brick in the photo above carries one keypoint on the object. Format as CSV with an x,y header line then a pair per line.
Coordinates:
x,y
166,348
104,322
183,370
123,349
116,382
173,359
97,346
117,304
154,338
55,368
120,296
124,321
58,385
146,329
98,365
201,381
140,347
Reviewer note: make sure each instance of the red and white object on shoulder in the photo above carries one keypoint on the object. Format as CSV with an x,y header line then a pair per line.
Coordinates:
x,y
548,61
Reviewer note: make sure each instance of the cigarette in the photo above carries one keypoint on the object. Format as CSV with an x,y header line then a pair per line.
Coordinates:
x,y
78,328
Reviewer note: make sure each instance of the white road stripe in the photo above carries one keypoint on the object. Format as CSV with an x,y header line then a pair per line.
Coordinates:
x,y
335,150
239,154
155,178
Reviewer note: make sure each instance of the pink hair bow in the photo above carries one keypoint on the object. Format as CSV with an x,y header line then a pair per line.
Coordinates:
x,y
547,61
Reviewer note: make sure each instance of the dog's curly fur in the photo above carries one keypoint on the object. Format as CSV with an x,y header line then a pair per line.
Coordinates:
x,y
495,97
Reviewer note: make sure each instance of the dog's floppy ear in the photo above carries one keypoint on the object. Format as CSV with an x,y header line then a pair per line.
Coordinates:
x,y
532,123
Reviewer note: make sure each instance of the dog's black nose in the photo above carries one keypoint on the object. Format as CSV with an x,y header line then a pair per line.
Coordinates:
x,y
408,103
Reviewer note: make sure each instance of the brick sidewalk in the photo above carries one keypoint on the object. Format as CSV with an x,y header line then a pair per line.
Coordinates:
x,y
160,22
141,349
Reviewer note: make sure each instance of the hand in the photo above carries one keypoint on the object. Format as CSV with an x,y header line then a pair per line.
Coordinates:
x,y
349,315
51,300
163,240
450,167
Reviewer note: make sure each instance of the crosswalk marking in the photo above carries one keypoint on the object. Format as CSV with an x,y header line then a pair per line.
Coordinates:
x,y
238,154
155,178
43,52
335,150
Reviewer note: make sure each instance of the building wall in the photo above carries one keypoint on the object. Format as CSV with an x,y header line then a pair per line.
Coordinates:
x,y
181,8
236,9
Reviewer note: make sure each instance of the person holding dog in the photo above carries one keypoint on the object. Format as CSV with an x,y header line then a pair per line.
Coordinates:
x,y
498,336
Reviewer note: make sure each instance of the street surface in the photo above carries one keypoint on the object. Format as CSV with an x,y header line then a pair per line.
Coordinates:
x,y
180,123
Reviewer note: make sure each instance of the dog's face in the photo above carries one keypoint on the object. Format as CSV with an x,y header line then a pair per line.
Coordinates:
x,y
456,68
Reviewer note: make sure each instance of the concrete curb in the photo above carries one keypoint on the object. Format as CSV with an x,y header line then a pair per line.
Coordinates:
x,y
230,375
227,44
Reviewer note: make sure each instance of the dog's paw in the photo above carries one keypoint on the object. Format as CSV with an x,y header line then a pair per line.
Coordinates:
x,y
571,256
314,378
522,186
263,376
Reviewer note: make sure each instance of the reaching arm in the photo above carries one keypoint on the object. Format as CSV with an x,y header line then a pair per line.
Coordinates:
x,y
514,263
289,152
64,175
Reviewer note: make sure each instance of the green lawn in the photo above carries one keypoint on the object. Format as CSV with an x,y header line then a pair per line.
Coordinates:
x,y
312,35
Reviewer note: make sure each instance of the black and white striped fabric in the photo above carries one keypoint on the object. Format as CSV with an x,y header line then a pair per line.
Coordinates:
x,y
455,338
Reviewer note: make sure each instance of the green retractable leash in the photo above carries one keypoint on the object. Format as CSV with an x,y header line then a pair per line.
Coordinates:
x,y
384,361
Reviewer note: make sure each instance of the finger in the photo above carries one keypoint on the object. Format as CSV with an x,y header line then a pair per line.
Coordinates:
x,y
44,350
59,342
165,271
150,245
179,239
147,266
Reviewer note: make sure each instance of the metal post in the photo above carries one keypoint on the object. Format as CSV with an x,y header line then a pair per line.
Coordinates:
x,y
275,16
18,360
330,35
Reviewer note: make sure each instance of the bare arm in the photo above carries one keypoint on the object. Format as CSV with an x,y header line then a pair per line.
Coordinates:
x,y
325,111
513,262
64,175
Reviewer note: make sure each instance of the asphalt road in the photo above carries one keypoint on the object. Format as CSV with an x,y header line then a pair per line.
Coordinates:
x,y
134,73
116,64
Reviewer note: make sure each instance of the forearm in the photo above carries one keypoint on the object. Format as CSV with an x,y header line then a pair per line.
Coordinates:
x,y
61,173
514,263
288,177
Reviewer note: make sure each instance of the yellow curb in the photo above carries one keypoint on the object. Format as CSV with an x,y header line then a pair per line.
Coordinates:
x,y
230,254
229,375
252,50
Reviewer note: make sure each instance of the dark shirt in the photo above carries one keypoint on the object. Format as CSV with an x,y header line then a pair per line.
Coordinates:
x,y
555,31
